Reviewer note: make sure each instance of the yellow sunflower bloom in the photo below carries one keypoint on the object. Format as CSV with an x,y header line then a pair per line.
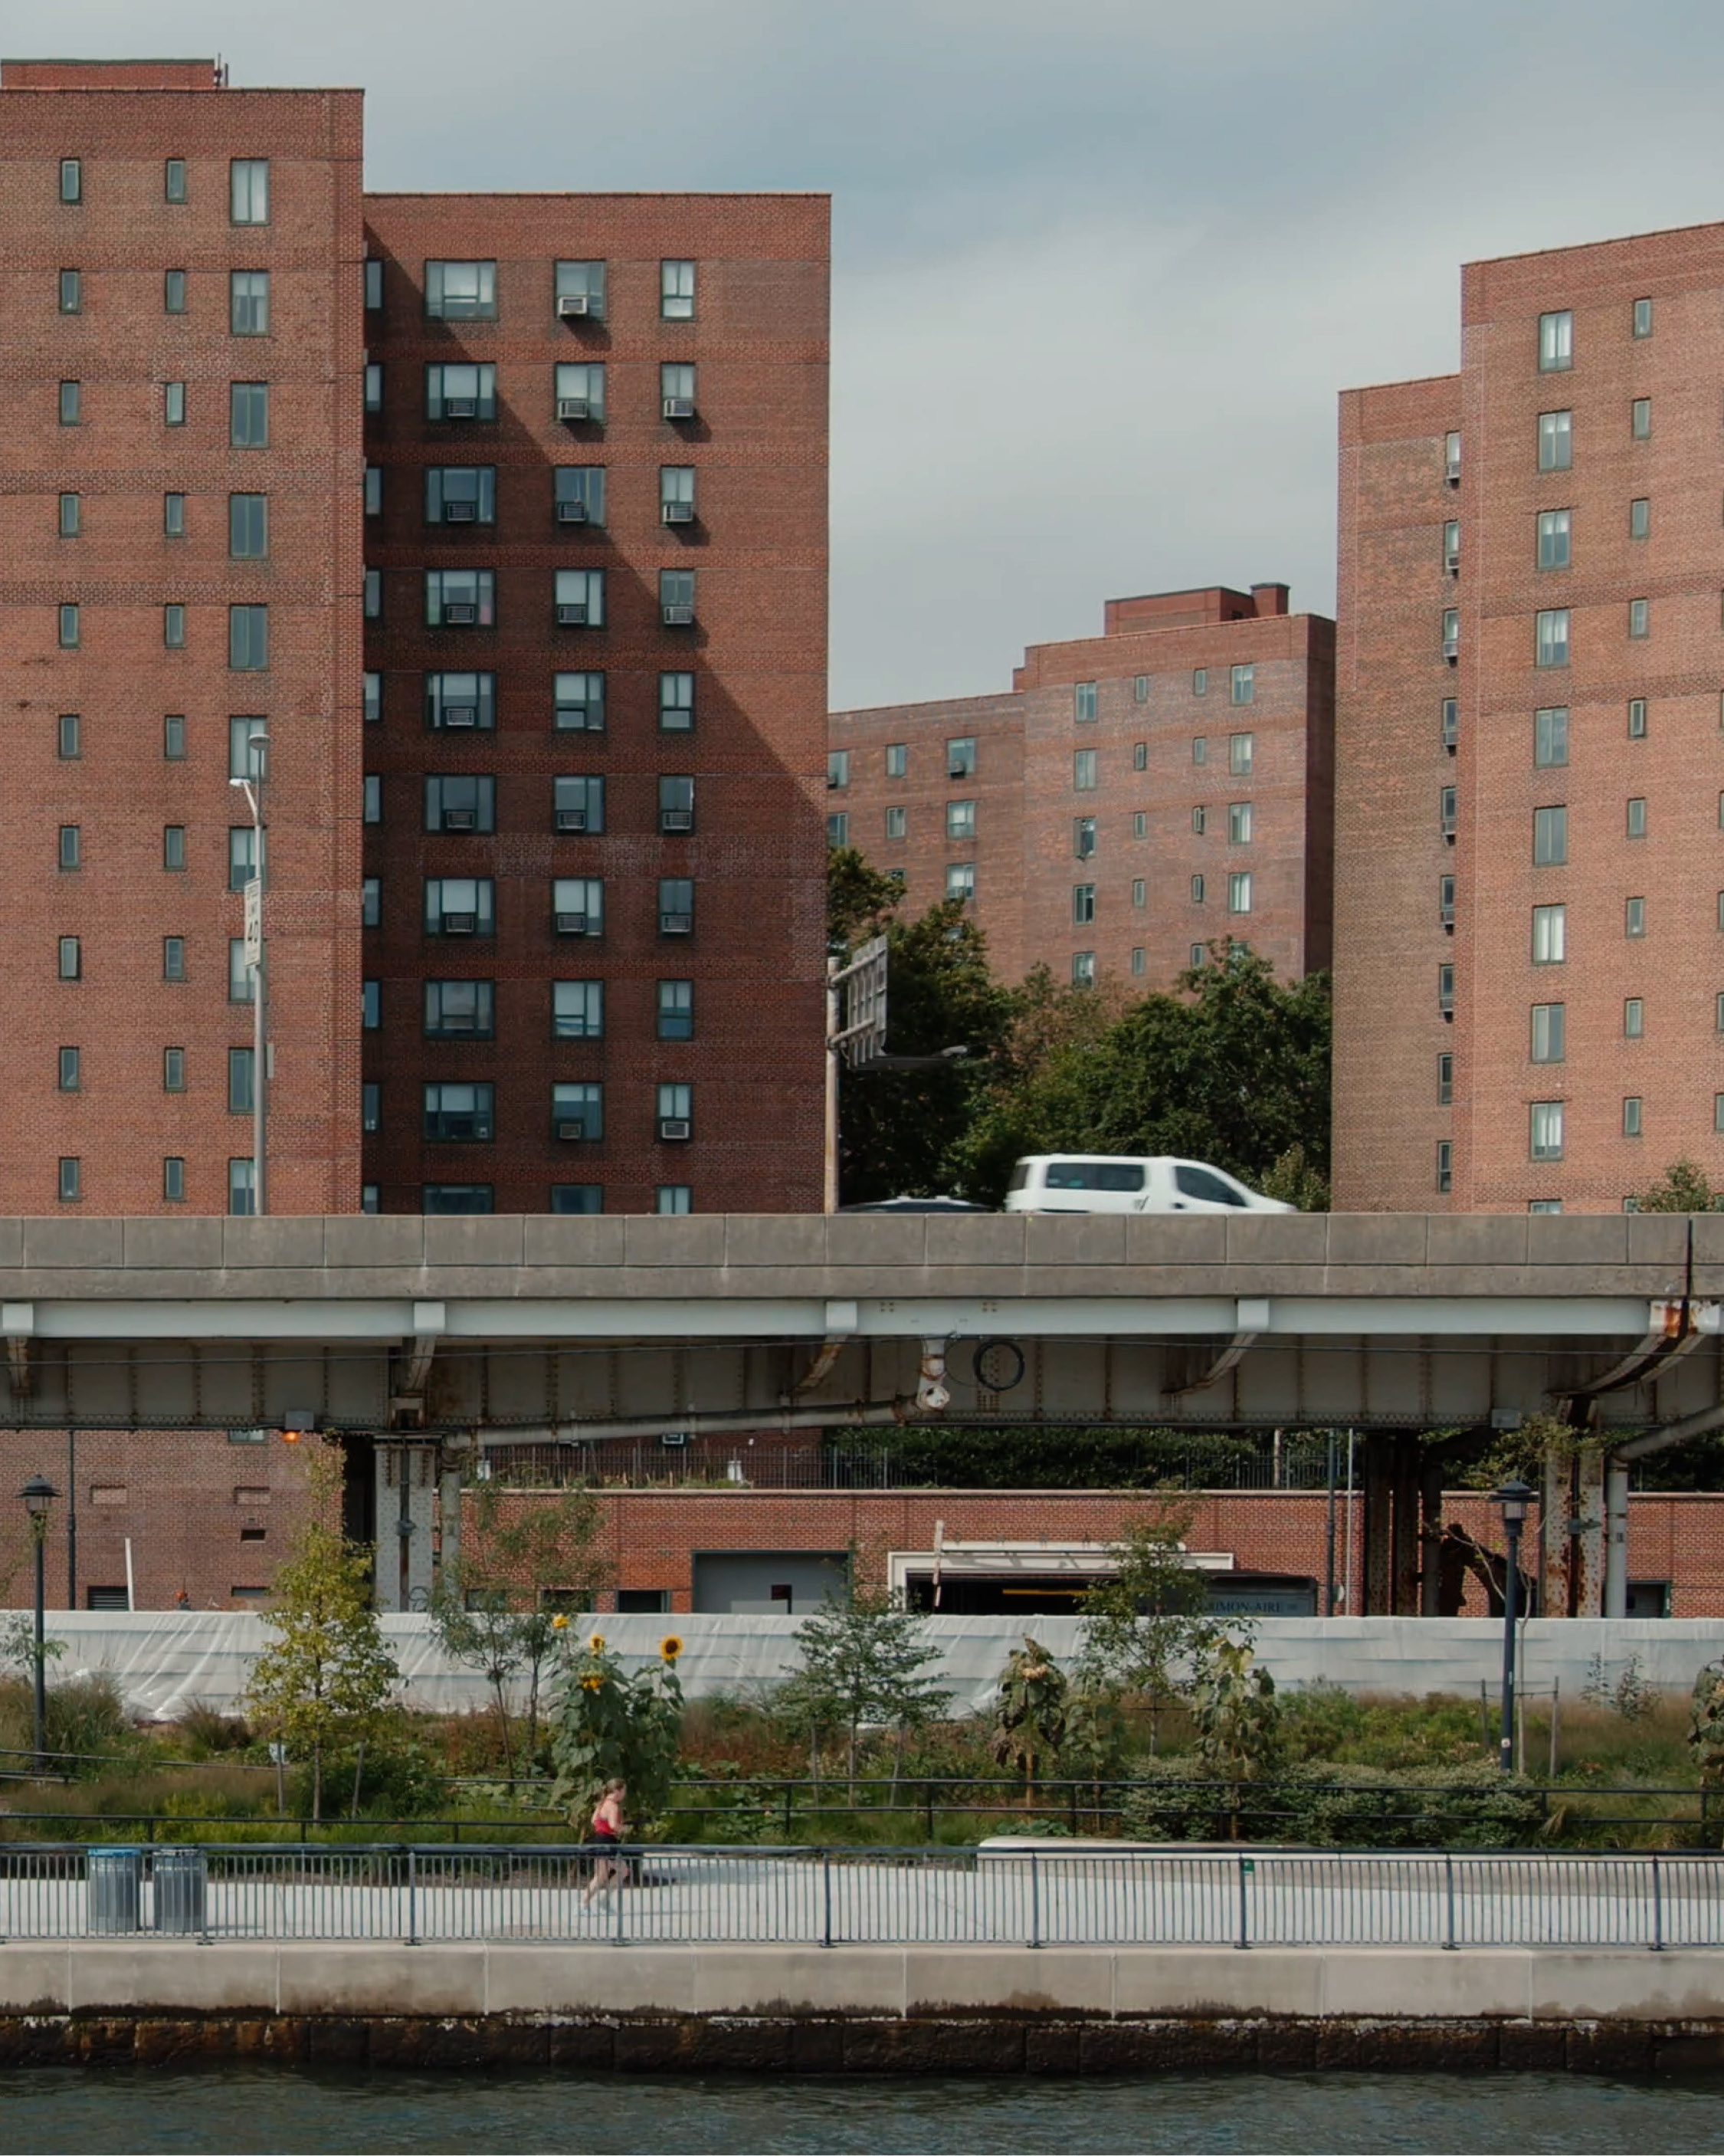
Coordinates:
x,y
670,1647
559,1623
593,1684
596,1643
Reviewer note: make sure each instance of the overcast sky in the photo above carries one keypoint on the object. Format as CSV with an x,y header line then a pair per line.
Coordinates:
x,y
1100,266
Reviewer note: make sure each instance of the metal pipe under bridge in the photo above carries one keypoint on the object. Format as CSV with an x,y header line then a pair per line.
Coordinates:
x,y
506,1328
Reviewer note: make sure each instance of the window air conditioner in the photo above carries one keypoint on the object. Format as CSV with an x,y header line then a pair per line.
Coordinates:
x,y
572,616
460,819
1451,562
571,819
460,613
571,305
572,1132
678,617
674,1129
573,407
572,512
460,715
460,512
459,924
676,512
677,924
679,408
571,924
1451,648
674,1437
676,819
460,408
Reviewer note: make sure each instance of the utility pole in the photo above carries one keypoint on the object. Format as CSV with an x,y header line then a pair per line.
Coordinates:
x,y
252,786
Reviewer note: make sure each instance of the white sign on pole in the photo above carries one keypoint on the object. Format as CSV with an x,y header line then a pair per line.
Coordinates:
x,y
862,1029
254,922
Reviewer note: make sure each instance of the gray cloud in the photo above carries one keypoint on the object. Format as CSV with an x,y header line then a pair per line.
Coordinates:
x,y
1100,267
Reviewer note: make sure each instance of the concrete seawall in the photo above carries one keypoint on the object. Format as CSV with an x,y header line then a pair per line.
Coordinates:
x,y
863,2009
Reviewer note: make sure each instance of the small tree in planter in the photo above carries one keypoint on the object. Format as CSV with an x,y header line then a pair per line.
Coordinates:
x,y
608,1725
864,1658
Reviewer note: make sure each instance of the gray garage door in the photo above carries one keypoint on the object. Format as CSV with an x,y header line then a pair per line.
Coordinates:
x,y
768,1584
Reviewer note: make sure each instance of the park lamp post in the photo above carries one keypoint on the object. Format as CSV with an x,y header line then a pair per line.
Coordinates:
x,y
38,1493
1514,1498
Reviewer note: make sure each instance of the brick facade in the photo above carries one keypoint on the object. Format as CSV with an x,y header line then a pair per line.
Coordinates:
x,y
1605,533
1120,828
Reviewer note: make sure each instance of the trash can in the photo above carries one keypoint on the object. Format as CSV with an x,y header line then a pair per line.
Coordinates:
x,y
182,1881
114,1877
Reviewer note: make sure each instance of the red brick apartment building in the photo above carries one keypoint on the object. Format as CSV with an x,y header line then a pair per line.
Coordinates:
x,y
1530,685
503,519
1131,797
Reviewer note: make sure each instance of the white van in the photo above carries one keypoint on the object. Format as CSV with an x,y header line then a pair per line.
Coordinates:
x,y
1082,1182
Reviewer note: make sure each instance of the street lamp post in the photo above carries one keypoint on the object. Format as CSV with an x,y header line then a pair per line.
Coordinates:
x,y
257,747
38,1493
1514,1498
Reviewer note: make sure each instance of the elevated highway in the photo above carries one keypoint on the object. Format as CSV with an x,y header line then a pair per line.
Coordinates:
x,y
585,1328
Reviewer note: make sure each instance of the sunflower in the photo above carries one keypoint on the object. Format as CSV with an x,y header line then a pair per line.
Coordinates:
x,y
594,1683
560,1622
596,1643
670,1647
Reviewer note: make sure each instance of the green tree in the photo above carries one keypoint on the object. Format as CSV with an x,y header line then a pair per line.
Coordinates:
x,y
1706,1727
863,1660
1147,1625
322,1684
1235,1713
1684,1190
609,1726
860,900
496,1605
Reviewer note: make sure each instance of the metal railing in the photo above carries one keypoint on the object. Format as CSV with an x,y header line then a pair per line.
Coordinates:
x,y
828,1897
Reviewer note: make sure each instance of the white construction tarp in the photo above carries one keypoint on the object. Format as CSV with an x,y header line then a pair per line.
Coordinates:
x,y
166,1661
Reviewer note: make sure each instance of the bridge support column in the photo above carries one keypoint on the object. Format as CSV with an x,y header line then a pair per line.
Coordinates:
x,y
407,1515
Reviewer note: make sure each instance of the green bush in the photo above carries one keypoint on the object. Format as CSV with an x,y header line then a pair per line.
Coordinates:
x,y
1471,1806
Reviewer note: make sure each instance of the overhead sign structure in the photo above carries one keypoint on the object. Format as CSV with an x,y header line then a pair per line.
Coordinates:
x,y
861,987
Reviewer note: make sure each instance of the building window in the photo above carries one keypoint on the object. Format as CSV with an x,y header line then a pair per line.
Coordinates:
x,y
1550,837
1556,441
1140,822
239,1081
248,191
1642,318
1446,990
676,905
248,747
676,1010
370,1107
1083,904
676,707
1139,959
577,1198
1200,749
1199,819
1637,718
1083,969
458,1113
173,1180
248,526
1640,419
71,846
173,850
71,403
961,758
241,980
1451,632
676,494
460,702
578,1113
173,957
249,415
71,291
1549,1031
1086,700
1197,891
1451,459
1633,1018
1633,916
1553,539
1639,618
461,291
577,804
1239,892
1451,547
173,516
1140,892
71,180
582,287
173,627
1238,823
460,802
960,820
676,389
961,880
576,497
438,1198
676,597
675,1113
1241,753
1546,1130
370,903
1445,1080
1140,755
173,1070
1550,638
1083,771
579,388
577,706
1445,901
373,496
71,1070
461,390
1445,1166
675,1198
248,302
1140,689
577,906
897,759
373,386
460,1010
1083,837
173,180
173,403
373,284
1556,342
466,599
174,738
676,291
676,804
1641,519
173,292
460,906
1635,826
69,736
71,1183
897,822
71,629
460,493
1242,684
240,1188
1632,1117
1200,682
248,639
1550,737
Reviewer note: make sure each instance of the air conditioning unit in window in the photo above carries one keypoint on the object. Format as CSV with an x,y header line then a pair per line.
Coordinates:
x,y
460,819
571,819
574,407
571,1133
460,715
676,819
573,616
460,408
674,1437
677,924
459,924
679,408
460,512
1451,648
572,512
572,305
676,512
571,924
460,613
1451,562
674,1129
678,617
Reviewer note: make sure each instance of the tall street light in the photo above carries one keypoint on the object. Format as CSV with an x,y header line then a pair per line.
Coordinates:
x,y
1514,1498
38,1493
257,748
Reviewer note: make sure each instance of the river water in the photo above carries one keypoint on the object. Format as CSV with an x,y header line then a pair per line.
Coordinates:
x,y
245,2111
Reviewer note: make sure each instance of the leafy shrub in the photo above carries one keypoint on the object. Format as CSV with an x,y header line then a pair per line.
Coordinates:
x,y
1319,1722
1473,1806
